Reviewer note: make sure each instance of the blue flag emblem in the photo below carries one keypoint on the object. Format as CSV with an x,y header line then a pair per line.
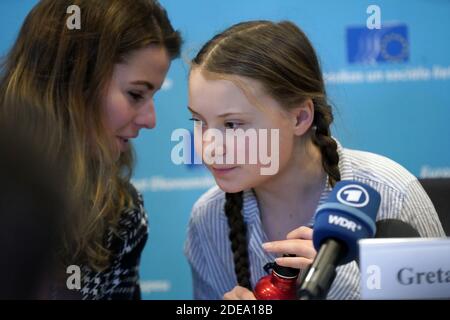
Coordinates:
x,y
370,46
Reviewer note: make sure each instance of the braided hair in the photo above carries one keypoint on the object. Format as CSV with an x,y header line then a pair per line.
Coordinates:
x,y
238,237
282,59
323,118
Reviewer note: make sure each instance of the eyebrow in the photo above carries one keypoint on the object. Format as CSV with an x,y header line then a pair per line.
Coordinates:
x,y
144,83
223,115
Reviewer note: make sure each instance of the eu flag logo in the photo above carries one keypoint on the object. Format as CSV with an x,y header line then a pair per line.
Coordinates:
x,y
370,46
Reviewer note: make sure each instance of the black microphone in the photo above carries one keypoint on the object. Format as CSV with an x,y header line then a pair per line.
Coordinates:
x,y
393,228
386,228
347,216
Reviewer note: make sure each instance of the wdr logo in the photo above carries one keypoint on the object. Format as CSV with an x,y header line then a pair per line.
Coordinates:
x,y
353,195
343,222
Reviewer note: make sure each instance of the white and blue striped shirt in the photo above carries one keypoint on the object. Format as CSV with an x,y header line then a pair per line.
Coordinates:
x,y
208,248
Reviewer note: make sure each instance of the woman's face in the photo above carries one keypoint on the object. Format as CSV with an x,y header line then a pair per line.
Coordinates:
x,y
129,105
221,104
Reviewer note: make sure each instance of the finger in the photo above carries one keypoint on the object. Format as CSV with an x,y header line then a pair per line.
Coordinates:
x,y
299,247
244,294
239,293
294,262
229,296
249,296
301,233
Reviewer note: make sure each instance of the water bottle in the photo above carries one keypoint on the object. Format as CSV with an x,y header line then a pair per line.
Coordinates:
x,y
281,284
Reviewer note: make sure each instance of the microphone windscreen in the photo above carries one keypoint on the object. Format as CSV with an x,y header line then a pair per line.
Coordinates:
x,y
346,216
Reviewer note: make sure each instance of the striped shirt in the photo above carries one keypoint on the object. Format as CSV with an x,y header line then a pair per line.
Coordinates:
x,y
208,248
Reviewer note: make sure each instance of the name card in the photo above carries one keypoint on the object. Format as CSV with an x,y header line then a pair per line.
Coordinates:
x,y
405,268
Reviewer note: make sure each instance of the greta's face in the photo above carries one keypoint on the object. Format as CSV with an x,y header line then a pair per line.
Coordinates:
x,y
220,104
128,104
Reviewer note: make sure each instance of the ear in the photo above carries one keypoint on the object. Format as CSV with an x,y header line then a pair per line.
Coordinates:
x,y
303,117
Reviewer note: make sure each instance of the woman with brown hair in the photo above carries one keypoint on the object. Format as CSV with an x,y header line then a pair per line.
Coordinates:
x,y
262,75
93,87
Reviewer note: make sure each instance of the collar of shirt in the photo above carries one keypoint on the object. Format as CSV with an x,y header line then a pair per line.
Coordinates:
x,y
255,232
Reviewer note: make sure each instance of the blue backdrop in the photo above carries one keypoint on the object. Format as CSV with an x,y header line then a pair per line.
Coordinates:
x,y
390,89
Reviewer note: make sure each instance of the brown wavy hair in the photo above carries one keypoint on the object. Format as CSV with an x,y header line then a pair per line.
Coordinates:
x,y
64,74
282,59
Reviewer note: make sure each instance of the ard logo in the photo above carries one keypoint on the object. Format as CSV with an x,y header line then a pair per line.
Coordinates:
x,y
353,195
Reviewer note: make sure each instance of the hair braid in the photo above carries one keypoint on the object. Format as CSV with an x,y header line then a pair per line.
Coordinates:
x,y
328,147
238,237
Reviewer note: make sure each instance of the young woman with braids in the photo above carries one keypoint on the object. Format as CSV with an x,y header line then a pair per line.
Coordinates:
x,y
93,90
266,75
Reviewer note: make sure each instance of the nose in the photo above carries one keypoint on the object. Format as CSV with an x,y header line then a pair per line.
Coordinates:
x,y
146,116
214,144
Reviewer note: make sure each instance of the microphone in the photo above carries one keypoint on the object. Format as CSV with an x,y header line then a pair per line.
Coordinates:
x,y
392,228
347,216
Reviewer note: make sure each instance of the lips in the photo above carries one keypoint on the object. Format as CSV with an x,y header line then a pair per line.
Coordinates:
x,y
128,137
123,143
220,171
222,168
